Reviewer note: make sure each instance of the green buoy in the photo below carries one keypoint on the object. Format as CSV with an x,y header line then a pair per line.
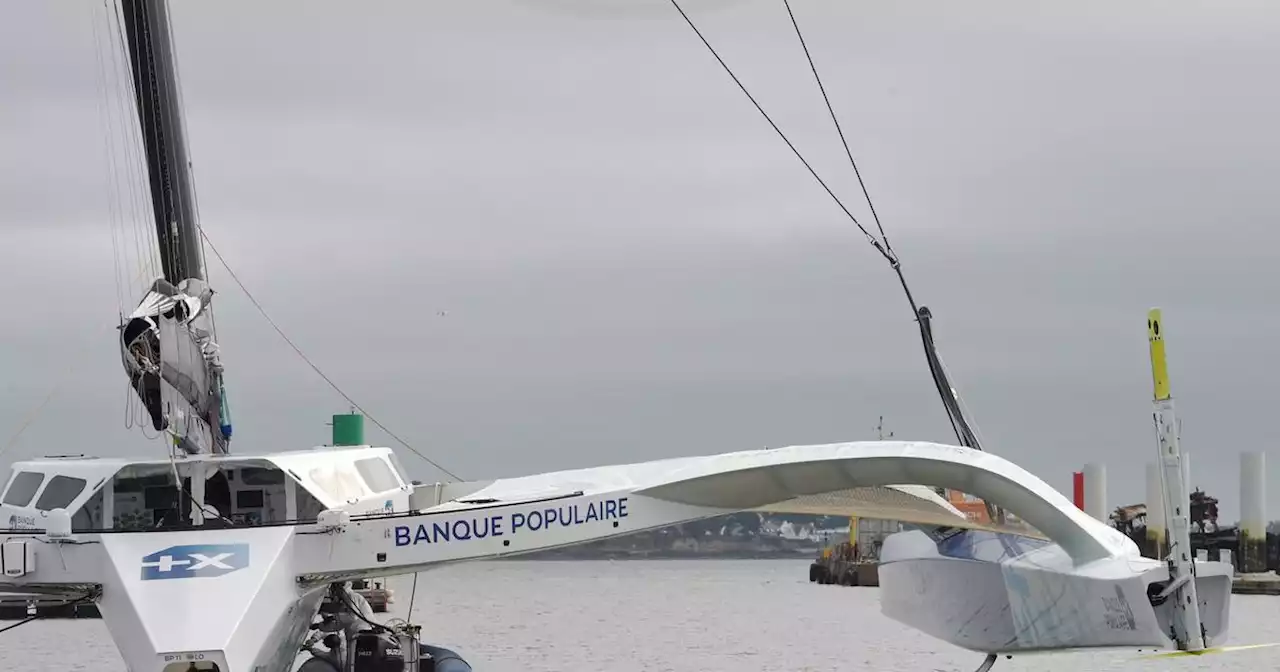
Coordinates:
x,y
348,429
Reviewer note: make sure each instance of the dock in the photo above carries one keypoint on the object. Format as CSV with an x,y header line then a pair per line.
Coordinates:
x,y
1265,583
379,597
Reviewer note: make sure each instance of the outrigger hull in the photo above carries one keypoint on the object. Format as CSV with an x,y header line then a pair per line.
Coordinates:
x,y
1005,594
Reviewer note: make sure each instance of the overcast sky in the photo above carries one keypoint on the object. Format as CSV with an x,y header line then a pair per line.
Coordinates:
x,y
631,265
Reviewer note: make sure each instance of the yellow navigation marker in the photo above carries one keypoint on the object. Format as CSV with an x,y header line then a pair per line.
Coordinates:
x,y
1159,369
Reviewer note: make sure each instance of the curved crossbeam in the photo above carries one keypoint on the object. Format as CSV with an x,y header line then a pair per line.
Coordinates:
x,y
760,478
668,492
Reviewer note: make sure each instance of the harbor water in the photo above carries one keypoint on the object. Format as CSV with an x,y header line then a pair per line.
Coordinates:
x,y
667,616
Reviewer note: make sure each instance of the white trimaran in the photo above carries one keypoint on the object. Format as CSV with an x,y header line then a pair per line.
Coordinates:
x,y
205,560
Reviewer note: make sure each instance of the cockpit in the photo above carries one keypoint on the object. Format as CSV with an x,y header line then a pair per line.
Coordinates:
x,y
221,491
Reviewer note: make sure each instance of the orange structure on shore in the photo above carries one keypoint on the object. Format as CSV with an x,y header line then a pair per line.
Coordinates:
x,y
973,508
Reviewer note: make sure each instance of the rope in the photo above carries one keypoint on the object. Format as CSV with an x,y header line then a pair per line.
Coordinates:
x,y
836,121
888,250
113,214
144,219
31,417
35,413
119,52
213,248
954,411
888,255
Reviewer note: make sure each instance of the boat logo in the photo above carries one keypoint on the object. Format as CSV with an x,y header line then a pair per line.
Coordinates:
x,y
195,561
17,522
1117,613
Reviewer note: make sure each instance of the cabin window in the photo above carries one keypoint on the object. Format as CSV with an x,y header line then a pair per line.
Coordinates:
x,y
23,488
89,517
261,476
397,467
377,473
61,491
309,507
338,482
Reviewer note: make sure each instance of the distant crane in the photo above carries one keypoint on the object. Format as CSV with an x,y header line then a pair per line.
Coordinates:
x,y
880,431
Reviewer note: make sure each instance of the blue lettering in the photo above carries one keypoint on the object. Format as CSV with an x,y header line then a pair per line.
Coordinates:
x,y
464,529
456,530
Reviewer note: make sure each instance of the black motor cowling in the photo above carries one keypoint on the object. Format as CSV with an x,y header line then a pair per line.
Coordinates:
x,y
378,652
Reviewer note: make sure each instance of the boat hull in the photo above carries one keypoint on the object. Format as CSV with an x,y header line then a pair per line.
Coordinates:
x,y
996,593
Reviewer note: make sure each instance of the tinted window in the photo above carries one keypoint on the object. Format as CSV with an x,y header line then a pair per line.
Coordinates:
x,y
261,476
23,488
249,499
60,492
377,473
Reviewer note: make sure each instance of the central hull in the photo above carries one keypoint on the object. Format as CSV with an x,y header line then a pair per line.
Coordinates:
x,y
1002,593
244,611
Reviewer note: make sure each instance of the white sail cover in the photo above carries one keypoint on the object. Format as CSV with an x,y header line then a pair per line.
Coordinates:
x,y
173,364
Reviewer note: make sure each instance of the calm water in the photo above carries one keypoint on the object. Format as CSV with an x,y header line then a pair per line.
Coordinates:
x,y
665,616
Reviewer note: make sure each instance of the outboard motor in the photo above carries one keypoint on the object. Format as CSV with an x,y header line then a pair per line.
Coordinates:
x,y
377,652
354,643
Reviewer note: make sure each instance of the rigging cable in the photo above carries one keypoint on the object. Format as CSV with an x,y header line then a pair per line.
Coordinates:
x,y
964,431
955,414
831,110
144,218
213,248
35,413
967,434
887,254
109,155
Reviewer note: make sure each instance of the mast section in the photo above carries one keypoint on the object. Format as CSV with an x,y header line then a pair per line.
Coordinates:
x,y
155,84
167,343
